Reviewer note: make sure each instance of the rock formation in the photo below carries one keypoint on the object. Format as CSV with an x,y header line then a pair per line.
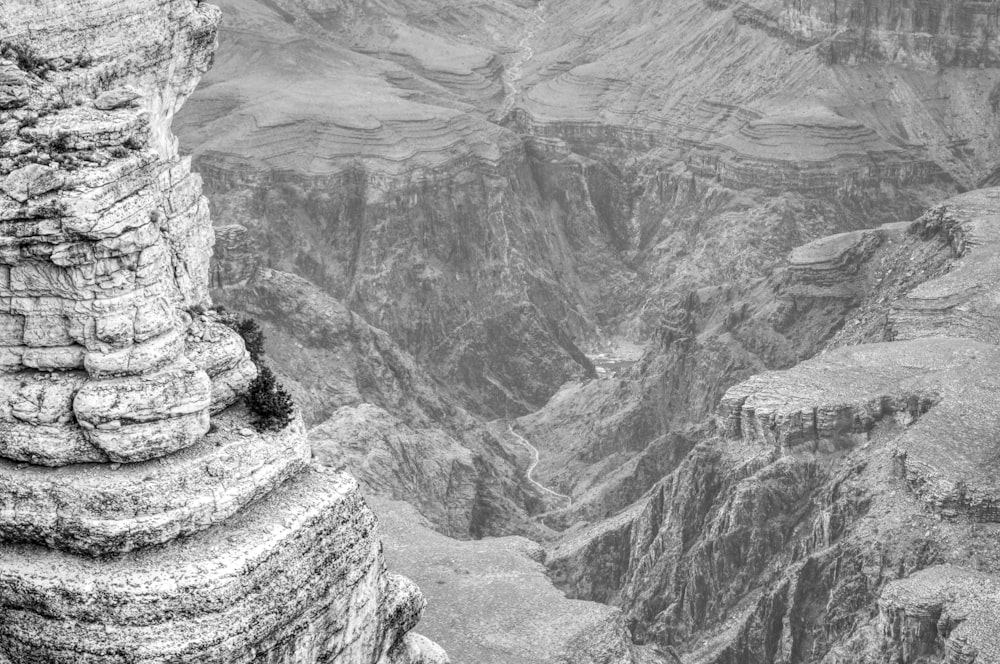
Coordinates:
x,y
141,518
373,171
495,192
502,183
844,510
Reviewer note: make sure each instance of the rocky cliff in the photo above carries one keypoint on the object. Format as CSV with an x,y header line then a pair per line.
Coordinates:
x,y
142,519
837,510
372,170
499,185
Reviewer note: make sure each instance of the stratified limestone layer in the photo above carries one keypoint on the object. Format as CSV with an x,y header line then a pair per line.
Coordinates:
x,y
944,389
299,577
105,237
829,266
963,302
93,510
183,539
942,612
220,353
814,150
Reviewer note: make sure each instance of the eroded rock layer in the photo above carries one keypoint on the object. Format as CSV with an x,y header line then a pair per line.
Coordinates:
x,y
843,509
303,580
142,517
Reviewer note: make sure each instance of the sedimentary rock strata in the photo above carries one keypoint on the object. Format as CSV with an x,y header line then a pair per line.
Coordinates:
x,y
848,511
90,509
942,386
143,516
813,151
301,580
959,303
943,612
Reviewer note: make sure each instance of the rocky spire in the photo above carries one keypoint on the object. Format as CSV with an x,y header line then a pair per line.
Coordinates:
x,y
120,422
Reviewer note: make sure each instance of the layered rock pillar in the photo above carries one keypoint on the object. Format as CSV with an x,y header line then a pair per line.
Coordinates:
x,y
142,519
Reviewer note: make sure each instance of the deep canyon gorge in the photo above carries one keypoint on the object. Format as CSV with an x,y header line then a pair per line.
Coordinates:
x,y
631,331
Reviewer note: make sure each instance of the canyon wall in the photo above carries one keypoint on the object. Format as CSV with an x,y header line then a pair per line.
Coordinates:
x,y
499,186
143,518
834,510
373,171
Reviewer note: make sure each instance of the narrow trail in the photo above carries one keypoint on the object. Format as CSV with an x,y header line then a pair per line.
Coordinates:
x,y
512,75
534,462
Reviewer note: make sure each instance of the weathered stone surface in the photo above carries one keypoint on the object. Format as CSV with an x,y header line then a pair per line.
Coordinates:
x,y
91,510
116,98
31,180
417,648
37,424
830,266
135,420
220,353
960,303
102,251
945,613
943,388
14,90
298,577
183,538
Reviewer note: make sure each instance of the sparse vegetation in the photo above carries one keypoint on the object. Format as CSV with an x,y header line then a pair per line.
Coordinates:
x,y
269,401
61,142
266,398
26,58
249,329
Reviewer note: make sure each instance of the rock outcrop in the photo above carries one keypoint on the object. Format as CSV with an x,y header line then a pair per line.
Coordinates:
x,y
845,507
142,519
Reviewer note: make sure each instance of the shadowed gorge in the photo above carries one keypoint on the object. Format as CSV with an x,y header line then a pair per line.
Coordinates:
x,y
711,256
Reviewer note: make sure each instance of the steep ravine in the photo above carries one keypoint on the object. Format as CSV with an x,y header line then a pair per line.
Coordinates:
x,y
361,150
836,508
730,183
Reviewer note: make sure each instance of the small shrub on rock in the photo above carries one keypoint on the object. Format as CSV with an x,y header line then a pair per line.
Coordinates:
x,y
266,398
269,401
253,338
26,58
248,328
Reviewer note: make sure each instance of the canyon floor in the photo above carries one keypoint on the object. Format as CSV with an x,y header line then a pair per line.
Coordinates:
x,y
653,332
